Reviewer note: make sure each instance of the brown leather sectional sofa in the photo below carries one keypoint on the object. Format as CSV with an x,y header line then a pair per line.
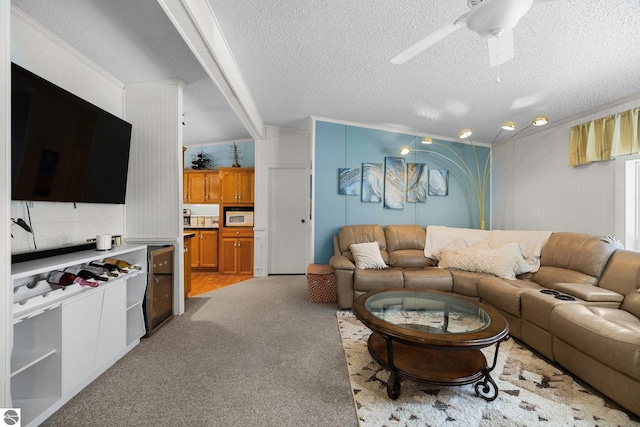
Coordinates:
x,y
595,335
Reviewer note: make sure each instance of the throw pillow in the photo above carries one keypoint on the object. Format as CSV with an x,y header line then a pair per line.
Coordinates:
x,y
367,255
492,262
512,248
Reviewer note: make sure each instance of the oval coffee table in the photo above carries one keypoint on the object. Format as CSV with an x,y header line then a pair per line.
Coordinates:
x,y
432,336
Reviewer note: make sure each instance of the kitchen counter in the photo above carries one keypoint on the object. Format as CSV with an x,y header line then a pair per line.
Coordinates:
x,y
189,234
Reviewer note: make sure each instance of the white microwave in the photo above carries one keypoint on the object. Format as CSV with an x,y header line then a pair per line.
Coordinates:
x,y
238,218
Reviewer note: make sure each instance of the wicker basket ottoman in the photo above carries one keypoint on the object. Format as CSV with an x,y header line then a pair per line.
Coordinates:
x,y
322,283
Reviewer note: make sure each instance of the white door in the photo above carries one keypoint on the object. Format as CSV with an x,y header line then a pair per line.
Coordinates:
x,y
288,220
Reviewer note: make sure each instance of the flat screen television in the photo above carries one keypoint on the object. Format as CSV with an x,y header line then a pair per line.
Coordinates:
x,y
63,148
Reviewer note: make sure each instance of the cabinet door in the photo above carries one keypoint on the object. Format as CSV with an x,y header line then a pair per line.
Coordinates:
x,y
245,186
80,327
209,249
212,183
185,187
195,250
196,187
228,187
245,255
112,335
228,256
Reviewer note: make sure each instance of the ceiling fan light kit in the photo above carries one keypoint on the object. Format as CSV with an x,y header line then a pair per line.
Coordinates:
x,y
491,19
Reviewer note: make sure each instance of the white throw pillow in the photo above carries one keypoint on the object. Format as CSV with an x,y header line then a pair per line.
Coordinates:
x,y
512,248
491,261
367,255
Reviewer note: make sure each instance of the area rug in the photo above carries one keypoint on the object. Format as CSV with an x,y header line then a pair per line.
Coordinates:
x,y
532,392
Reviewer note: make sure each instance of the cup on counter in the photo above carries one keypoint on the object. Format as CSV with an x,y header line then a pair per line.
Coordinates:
x,y
103,242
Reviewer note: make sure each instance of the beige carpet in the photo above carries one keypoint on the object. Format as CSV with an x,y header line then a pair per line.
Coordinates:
x,y
532,392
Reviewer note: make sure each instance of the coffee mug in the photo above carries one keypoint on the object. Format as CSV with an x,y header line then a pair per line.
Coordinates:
x,y
103,242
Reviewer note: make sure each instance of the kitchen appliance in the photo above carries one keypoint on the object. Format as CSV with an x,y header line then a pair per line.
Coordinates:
x,y
158,301
236,216
186,216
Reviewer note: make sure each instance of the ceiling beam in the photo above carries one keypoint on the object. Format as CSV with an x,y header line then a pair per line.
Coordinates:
x,y
197,24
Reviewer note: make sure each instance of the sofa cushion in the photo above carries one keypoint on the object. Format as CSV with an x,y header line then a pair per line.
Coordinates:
x,y
431,278
504,294
372,280
609,335
631,304
409,258
350,234
367,255
622,274
576,252
548,276
405,246
501,264
406,236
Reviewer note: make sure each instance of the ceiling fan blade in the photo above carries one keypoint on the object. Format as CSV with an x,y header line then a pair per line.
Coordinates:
x,y
501,48
428,41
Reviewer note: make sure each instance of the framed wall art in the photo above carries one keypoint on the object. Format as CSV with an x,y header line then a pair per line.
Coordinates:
x,y
394,176
438,182
372,182
416,183
349,181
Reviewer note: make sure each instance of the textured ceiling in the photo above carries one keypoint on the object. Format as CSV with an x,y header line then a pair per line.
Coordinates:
x,y
331,59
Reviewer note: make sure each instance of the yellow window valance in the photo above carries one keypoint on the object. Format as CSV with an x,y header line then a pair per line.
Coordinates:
x,y
605,138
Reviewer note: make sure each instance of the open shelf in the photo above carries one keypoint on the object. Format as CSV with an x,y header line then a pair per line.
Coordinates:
x,y
51,360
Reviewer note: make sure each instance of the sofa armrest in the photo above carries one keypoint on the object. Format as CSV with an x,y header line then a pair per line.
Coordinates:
x,y
341,262
589,293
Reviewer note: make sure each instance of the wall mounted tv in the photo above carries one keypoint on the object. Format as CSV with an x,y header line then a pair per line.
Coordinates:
x,y
63,148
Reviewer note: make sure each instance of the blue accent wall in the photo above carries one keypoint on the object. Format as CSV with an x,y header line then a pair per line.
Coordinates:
x,y
342,146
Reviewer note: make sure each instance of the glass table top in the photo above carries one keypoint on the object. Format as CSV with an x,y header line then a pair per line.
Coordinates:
x,y
427,312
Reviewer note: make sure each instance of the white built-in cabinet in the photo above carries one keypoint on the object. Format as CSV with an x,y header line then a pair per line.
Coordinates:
x,y
64,338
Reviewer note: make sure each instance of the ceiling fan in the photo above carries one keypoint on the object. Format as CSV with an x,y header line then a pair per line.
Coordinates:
x,y
491,19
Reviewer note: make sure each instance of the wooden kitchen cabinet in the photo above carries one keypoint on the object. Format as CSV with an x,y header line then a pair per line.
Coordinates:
x,y
204,252
209,249
212,187
201,187
193,187
236,186
236,251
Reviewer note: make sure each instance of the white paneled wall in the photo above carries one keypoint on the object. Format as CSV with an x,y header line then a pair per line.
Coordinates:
x,y
153,209
45,54
154,189
533,188
6,320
